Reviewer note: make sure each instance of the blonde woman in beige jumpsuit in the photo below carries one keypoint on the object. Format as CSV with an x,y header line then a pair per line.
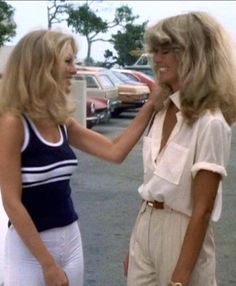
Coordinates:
x,y
185,154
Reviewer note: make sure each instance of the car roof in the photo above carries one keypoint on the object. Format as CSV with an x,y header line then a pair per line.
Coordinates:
x,y
90,68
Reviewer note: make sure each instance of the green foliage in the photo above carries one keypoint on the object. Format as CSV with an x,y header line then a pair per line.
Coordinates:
x,y
110,60
126,42
86,22
124,14
7,24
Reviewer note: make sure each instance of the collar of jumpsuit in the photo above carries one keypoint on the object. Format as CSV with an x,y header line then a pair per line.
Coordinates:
x,y
175,98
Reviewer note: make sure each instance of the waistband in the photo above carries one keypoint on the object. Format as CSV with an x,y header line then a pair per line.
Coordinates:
x,y
155,204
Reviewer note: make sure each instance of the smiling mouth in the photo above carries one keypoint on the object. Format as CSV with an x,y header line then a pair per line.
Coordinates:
x,y
163,69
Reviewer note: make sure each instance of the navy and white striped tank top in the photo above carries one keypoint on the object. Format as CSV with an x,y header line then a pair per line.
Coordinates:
x,y
46,171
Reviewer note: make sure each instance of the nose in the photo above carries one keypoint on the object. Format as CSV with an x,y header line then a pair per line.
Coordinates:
x,y
73,69
157,57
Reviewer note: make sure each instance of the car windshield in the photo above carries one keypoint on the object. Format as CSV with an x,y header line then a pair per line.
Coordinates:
x,y
143,60
122,77
105,81
113,77
132,77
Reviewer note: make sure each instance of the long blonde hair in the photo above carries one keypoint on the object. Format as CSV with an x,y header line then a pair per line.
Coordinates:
x,y
206,62
31,81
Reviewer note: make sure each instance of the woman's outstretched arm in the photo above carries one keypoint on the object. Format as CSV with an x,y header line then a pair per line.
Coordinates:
x,y
116,150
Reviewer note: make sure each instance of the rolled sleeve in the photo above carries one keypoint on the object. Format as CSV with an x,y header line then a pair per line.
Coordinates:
x,y
210,167
213,148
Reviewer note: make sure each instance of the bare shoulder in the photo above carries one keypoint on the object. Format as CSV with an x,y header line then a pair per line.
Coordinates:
x,y
72,123
69,122
10,119
11,124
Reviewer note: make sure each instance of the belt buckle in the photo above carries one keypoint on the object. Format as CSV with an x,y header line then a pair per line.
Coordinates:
x,y
150,204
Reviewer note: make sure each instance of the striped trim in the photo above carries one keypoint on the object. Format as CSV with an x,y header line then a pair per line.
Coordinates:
x,y
35,176
29,185
48,167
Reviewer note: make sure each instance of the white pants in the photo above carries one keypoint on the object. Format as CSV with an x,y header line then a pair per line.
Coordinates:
x,y
155,246
64,243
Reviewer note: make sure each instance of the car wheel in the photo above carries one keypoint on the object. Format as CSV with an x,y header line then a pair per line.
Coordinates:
x,y
116,112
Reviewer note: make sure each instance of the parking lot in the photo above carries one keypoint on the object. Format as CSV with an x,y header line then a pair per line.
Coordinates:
x,y
106,198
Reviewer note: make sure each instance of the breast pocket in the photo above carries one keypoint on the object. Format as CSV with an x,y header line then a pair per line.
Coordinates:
x,y
171,165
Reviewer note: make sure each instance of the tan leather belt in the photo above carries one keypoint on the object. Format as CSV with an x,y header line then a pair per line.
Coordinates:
x,y
155,204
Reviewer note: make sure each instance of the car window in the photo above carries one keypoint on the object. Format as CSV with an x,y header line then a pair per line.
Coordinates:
x,y
132,77
113,77
105,81
142,61
91,82
121,76
79,77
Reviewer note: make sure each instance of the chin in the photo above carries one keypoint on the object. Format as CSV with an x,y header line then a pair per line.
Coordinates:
x,y
67,87
67,90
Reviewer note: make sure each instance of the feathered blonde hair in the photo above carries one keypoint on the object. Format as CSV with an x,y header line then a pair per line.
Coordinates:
x,y
31,81
206,62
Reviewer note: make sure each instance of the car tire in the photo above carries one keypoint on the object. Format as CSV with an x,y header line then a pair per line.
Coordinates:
x,y
116,112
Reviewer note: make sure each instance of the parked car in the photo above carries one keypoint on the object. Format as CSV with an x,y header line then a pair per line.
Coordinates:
x,y
102,108
91,117
99,85
126,79
130,95
137,76
97,110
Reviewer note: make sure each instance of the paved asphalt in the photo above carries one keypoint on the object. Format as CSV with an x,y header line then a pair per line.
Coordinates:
x,y
106,198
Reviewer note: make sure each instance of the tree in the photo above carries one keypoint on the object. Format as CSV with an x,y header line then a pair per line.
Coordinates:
x,y
110,60
127,43
7,24
87,23
124,15
56,11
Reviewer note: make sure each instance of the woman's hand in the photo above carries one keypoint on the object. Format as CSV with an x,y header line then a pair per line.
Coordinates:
x,y
55,276
158,95
126,265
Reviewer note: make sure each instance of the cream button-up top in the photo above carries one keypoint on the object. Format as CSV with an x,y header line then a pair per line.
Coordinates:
x,y
168,174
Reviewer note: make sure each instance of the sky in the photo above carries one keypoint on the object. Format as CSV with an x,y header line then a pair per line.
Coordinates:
x,y
30,15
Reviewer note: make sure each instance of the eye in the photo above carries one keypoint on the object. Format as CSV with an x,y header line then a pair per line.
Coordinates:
x,y
161,50
69,61
165,51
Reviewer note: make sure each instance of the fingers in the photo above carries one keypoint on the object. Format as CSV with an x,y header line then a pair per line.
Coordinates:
x,y
55,276
67,280
126,265
159,94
